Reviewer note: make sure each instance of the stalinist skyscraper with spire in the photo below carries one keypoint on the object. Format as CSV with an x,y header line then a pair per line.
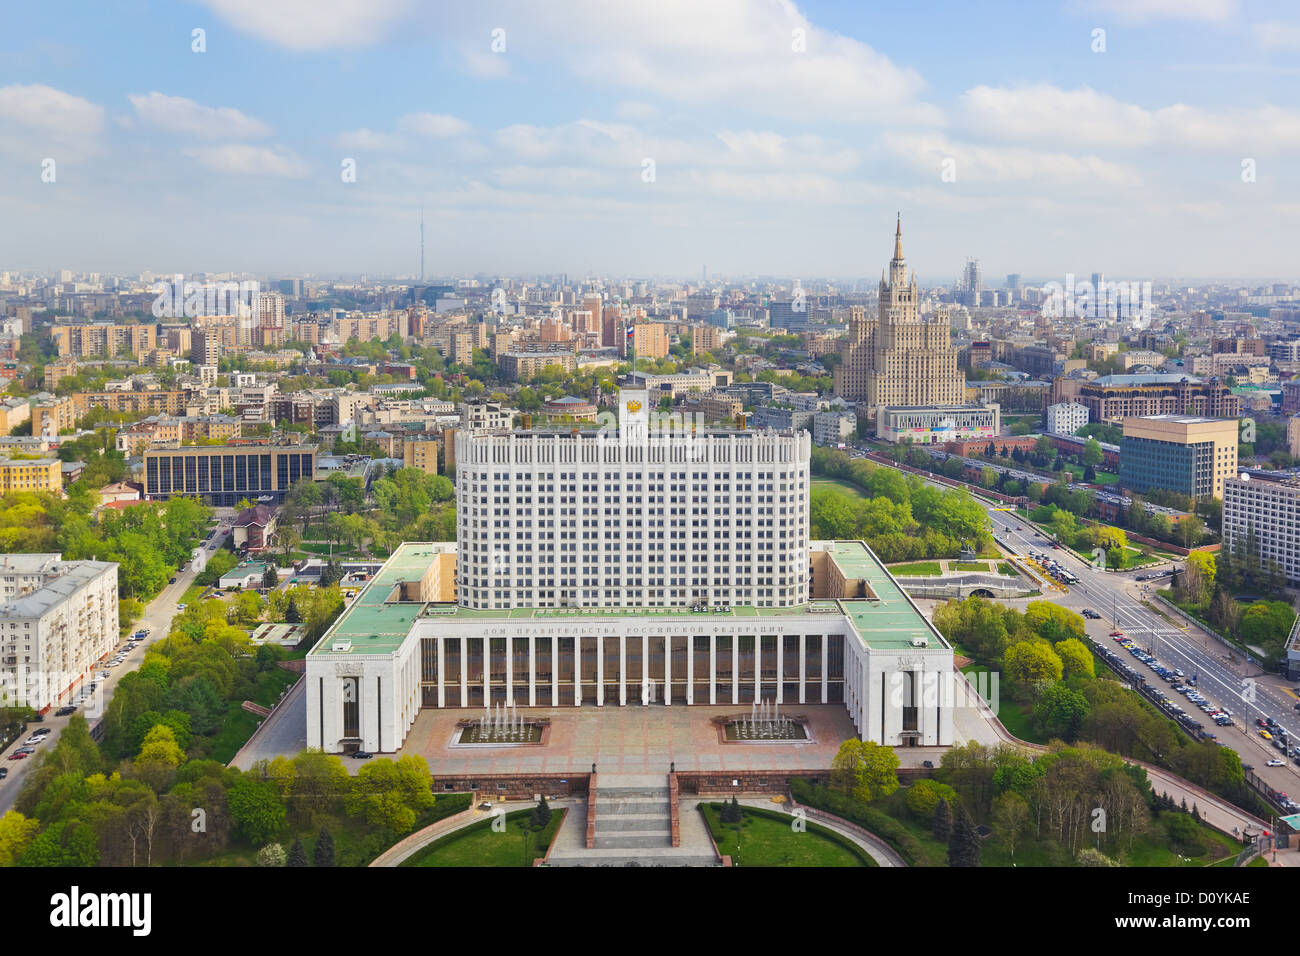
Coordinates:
x,y
895,358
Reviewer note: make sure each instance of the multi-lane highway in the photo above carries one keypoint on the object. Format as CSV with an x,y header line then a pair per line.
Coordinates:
x,y
157,620
1223,675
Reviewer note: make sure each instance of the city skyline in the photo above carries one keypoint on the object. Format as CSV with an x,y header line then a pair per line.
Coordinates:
x,y
781,138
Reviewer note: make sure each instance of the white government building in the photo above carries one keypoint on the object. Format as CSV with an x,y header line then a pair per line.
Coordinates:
x,y
57,619
636,566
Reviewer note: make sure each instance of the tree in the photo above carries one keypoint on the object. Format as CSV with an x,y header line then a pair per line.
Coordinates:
x,y
297,855
322,853
291,614
1060,712
963,843
391,794
160,745
271,855
16,834
1010,819
924,795
865,769
270,578
1033,662
256,808
540,816
1092,454
1075,657
941,823
1190,530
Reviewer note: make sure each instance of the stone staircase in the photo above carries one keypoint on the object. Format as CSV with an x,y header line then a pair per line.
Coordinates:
x,y
633,827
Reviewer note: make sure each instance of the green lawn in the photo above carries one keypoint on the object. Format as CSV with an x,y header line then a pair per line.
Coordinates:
x,y
1004,568
969,566
766,838
837,484
479,845
192,593
917,569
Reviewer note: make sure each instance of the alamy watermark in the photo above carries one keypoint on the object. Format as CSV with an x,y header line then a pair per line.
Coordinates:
x,y
179,298
1082,300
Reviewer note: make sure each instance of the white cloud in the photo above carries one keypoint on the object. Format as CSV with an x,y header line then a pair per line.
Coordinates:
x,y
637,112
48,110
432,124
367,140
1142,11
1000,164
313,24
1085,117
1275,35
243,160
179,115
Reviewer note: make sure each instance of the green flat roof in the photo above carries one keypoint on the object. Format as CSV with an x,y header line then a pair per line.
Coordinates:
x,y
375,626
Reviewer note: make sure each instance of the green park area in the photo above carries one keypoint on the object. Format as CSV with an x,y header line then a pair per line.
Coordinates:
x,y
767,838
526,836
917,569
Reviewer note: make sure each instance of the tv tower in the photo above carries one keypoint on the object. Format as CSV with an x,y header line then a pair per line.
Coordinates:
x,y
422,242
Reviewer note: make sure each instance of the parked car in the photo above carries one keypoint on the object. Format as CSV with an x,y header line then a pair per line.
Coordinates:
x,y
362,755
65,711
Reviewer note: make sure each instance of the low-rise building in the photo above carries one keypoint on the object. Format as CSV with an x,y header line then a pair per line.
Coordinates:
x,y
1066,418
937,424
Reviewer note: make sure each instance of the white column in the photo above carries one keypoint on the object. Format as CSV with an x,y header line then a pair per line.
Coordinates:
x,y
510,670
532,671
668,670
555,670
577,672
780,668
442,675
713,668
735,668
826,641
758,667
803,668
600,671
690,669
464,672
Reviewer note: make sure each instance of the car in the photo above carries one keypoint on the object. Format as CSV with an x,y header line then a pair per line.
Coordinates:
x,y
104,674
1274,763
1266,735
181,607
928,764
34,741
362,755
485,805
1270,722
172,581
1260,722
65,711
19,755
38,717
4,772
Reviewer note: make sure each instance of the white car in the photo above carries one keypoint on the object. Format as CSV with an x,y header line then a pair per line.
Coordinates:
x,y
1276,763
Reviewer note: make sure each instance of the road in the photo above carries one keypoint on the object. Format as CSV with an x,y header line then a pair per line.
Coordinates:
x,y
157,618
1223,675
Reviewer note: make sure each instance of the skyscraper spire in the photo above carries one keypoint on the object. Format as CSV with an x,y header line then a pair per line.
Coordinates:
x,y
898,239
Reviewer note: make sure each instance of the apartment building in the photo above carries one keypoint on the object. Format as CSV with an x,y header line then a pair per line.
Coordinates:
x,y
57,619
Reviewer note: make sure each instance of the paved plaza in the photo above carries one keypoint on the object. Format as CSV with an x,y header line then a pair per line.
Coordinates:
x,y
628,740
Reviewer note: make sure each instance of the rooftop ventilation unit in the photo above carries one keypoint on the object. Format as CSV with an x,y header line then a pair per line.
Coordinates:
x,y
341,647
920,642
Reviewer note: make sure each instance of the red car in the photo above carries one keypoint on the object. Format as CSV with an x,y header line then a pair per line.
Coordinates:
x,y
1116,633
18,756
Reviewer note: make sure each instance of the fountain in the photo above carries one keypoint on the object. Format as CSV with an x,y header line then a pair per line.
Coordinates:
x,y
500,724
765,723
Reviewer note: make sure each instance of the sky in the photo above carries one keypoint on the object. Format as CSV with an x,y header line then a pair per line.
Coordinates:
x,y
1139,138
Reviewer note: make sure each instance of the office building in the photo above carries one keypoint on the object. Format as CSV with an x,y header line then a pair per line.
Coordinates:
x,y
1113,398
223,475
1183,453
733,605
